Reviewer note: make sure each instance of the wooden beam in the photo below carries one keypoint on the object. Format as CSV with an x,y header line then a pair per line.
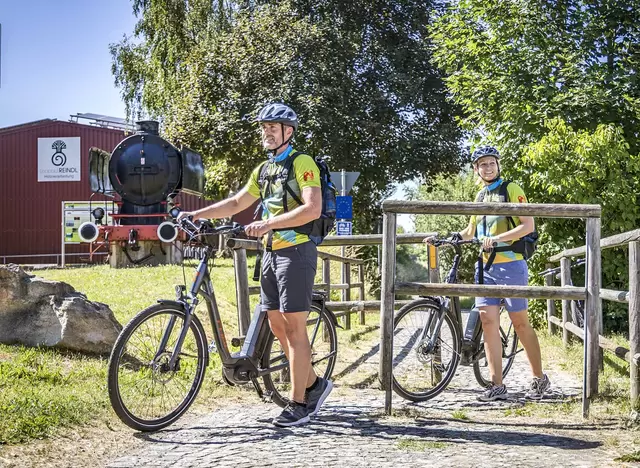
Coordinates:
x,y
607,243
615,296
374,239
604,343
358,306
499,209
484,290
326,255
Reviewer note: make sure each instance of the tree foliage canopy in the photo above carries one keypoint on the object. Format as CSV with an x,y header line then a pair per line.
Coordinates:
x,y
555,85
358,73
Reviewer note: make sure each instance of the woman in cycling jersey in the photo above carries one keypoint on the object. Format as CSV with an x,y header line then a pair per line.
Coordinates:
x,y
503,267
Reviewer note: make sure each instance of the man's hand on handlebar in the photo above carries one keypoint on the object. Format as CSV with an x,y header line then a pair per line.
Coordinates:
x,y
184,215
257,229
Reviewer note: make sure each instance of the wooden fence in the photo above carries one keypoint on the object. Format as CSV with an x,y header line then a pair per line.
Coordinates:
x,y
591,293
343,308
631,297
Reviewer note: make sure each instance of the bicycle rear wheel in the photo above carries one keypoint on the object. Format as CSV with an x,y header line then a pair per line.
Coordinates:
x,y
145,393
324,345
510,344
420,372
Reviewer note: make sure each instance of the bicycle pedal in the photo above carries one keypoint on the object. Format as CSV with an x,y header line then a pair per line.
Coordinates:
x,y
267,397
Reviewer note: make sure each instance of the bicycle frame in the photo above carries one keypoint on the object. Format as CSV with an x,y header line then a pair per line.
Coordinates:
x,y
243,365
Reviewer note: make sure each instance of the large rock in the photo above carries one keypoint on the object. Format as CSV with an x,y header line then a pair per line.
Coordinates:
x,y
37,312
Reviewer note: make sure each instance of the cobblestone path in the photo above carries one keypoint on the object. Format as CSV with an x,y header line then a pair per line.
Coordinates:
x,y
351,430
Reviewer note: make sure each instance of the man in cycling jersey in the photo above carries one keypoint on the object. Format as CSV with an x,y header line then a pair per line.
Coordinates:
x,y
289,261
506,268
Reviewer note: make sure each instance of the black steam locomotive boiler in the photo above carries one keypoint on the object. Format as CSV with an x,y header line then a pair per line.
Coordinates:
x,y
139,181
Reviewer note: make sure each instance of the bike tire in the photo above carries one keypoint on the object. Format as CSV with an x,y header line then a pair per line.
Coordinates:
x,y
276,383
415,359
131,364
510,342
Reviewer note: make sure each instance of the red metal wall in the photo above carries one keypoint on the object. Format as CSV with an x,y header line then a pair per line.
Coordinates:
x,y
30,211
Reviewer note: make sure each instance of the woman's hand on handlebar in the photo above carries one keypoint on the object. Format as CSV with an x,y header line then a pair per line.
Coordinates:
x,y
430,239
488,243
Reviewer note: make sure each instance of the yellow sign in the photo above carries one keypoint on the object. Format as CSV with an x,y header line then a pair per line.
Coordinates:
x,y
433,257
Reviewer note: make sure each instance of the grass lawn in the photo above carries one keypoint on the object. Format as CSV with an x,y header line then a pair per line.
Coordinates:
x,y
42,389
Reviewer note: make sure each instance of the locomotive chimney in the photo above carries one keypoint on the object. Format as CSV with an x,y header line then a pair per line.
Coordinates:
x,y
147,126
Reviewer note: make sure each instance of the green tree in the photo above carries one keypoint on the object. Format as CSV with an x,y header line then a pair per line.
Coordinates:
x,y
358,73
445,187
554,85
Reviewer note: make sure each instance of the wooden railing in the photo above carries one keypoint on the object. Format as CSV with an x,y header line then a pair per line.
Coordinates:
x,y
591,293
343,308
631,297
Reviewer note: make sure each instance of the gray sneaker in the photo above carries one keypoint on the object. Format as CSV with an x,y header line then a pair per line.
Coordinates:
x,y
494,392
293,414
316,397
538,387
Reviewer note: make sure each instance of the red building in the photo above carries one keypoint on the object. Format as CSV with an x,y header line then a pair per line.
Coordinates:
x,y
42,164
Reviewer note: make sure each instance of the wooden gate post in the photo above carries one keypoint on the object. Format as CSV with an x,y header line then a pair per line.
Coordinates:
x,y
361,281
634,320
387,306
551,304
593,310
565,279
346,293
242,290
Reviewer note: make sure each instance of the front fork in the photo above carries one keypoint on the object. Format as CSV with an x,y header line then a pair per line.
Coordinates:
x,y
189,307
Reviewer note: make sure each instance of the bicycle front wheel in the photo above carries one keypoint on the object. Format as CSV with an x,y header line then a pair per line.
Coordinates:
x,y
510,342
424,364
145,392
324,346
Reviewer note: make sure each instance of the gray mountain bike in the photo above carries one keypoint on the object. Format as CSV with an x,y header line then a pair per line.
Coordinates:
x,y
157,365
429,343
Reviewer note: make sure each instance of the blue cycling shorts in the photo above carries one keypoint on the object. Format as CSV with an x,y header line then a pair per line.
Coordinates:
x,y
509,273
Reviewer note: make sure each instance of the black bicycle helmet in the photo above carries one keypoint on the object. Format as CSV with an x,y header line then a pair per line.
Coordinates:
x,y
483,151
278,113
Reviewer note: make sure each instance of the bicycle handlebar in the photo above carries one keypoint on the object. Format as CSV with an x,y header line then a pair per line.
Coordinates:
x,y
203,227
552,271
455,242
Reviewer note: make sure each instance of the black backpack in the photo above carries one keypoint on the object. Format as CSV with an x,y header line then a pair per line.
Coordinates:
x,y
525,246
319,228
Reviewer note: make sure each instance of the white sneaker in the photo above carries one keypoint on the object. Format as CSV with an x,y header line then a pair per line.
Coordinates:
x,y
538,387
494,392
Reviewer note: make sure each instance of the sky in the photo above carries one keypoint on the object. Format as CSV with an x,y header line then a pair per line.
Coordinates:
x,y
55,58
55,61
